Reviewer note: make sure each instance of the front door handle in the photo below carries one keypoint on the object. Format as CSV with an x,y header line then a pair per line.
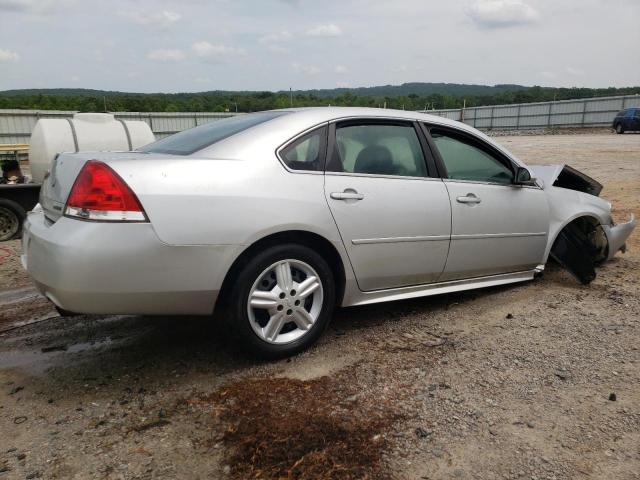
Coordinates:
x,y
348,194
469,198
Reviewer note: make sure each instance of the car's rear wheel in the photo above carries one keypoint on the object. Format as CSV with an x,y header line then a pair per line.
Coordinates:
x,y
11,217
283,301
619,128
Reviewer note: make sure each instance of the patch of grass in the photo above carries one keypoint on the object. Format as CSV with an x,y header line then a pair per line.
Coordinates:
x,y
290,429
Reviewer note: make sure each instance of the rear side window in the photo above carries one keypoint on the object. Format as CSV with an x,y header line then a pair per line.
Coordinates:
x,y
464,160
197,138
378,149
629,113
307,152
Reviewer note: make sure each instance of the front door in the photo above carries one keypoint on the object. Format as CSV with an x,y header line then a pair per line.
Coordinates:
x,y
496,226
393,217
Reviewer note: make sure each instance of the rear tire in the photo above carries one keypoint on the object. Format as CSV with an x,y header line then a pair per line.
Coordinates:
x,y
12,216
619,129
281,302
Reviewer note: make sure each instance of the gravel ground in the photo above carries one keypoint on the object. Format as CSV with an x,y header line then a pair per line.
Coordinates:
x,y
533,381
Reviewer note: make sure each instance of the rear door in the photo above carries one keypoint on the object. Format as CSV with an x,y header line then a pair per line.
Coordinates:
x,y
393,217
635,122
496,227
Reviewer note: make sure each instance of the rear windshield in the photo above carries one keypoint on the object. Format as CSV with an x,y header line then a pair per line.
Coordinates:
x,y
197,138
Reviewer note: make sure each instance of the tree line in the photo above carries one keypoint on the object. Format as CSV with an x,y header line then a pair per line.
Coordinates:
x,y
96,101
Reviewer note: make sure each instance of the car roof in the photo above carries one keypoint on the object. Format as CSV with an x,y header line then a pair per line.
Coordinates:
x,y
327,114
276,132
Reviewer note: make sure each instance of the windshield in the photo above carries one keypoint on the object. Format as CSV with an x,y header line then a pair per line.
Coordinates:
x,y
197,138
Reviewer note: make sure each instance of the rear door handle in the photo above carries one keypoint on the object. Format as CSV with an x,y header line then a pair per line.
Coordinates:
x,y
347,195
469,198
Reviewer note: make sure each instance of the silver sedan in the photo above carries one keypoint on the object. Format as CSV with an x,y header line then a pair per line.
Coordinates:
x,y
272,219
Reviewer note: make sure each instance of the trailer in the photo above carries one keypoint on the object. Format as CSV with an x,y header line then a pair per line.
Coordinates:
x,y
16,199
51,136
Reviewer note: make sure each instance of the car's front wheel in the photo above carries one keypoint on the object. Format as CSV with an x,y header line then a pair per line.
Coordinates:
x,y
282,301
619,128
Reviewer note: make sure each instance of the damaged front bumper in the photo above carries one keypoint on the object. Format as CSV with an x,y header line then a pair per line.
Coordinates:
x,y
617,236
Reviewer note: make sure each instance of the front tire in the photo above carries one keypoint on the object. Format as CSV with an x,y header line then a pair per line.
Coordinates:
x,y
619,129
282,301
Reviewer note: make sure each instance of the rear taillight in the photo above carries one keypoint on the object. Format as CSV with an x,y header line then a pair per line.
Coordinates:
x,y
100,194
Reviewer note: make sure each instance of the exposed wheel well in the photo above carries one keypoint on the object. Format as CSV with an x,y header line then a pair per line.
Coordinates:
x,y
591,228
580,246
312,240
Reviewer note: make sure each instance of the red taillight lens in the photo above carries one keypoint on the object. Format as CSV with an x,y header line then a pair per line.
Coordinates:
x,y
100,194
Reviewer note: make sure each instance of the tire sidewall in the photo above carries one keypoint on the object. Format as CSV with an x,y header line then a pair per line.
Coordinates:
x,y
18,211
240,324
619,128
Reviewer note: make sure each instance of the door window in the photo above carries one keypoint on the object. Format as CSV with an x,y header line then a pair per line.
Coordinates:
x,y
307,152
378,149
464,160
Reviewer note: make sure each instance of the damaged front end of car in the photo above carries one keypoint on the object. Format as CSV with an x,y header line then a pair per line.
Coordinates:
x,y
582,232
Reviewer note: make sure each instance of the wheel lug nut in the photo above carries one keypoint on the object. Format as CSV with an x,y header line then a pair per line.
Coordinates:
x,y
293,292
282,295
289,312
280,307
297,302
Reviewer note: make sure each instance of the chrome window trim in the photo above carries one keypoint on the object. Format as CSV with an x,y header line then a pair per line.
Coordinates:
x,y
376,175
478,182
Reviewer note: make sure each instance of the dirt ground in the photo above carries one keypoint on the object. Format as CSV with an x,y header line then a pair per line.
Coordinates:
x,y
532,381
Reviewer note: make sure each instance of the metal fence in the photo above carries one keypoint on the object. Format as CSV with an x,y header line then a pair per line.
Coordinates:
x,y
588,112
16,125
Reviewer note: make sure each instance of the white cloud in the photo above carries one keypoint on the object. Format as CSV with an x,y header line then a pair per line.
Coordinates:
x,y
501,13
277,37
328,30
341,69
305,69
574,71
278,49
161,19
8,56
206,50
34,6
166,55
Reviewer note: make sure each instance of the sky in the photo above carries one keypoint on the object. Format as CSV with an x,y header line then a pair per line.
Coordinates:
x,y
200,45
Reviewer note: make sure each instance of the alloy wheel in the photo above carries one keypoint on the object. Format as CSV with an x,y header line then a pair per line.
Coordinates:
x,y
285,301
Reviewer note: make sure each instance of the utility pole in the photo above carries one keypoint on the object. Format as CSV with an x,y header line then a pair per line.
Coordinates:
x,y
291,96
104,100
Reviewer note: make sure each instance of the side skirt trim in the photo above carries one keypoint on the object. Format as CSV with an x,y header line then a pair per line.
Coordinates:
x,y
364,298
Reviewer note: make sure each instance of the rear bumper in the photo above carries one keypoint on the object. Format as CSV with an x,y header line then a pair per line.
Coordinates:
x,y
617,235
121,268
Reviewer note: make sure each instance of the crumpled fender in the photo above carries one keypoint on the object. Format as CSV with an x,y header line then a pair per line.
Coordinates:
x,y
617,236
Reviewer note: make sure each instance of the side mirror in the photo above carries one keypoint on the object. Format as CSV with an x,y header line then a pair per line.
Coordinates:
x,y
523,177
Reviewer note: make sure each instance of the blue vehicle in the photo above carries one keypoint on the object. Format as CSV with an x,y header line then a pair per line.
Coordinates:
x,y
627,120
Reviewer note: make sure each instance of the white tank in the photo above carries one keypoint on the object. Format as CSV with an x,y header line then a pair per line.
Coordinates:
x,y
83,132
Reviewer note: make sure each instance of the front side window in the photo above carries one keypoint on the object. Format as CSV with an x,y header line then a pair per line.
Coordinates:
x,y
197,138
307,152
378,149
629,113
466,161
